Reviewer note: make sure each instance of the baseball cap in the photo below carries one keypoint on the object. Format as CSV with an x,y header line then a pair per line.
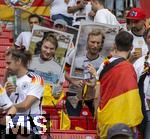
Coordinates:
x,y
136,14
119,129
60,22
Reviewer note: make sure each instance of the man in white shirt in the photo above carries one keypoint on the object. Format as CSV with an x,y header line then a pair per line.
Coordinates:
x,y
24,38
58,10
103,15
137,22
80,10
93,56
142,68
29,86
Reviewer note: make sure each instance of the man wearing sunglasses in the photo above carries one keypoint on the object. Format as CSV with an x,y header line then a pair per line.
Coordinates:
x,y
137,17
23,40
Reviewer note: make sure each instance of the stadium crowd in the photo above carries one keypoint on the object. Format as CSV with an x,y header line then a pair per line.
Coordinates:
x,y
115,88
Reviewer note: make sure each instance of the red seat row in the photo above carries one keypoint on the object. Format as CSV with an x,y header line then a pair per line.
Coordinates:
x,y
2,63
85,123
70,134
2,71
8,34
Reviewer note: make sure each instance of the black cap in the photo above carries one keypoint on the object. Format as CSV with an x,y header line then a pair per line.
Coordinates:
x,y
119,129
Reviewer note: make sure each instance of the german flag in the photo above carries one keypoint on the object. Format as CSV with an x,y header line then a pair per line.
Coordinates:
x,y
119,97
36,7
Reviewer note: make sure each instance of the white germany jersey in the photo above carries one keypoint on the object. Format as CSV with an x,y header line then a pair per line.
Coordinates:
x,y
29,84
139,42
5,101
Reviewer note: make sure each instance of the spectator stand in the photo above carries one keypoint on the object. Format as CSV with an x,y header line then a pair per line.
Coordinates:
x,y
6,41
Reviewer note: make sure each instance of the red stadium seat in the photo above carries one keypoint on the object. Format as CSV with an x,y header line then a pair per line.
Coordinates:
x,y
7,35
1,79
4,40
2,56
2,64
3,49
70,134
6,44
2,71
86,123
53,111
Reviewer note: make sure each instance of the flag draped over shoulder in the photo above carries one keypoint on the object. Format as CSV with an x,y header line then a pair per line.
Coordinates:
x,y
38,7
119,98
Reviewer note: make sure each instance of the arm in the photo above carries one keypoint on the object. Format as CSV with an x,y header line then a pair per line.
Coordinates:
x,y
12,112
148,102
92,70
92,14
75,8
78,83
133,57
26,104
48,2
19,40
23,106
91,82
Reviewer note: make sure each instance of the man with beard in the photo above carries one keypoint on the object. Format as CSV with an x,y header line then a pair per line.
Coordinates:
x,y
44,64
142,68
27,92
75,95
24,38
137,21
